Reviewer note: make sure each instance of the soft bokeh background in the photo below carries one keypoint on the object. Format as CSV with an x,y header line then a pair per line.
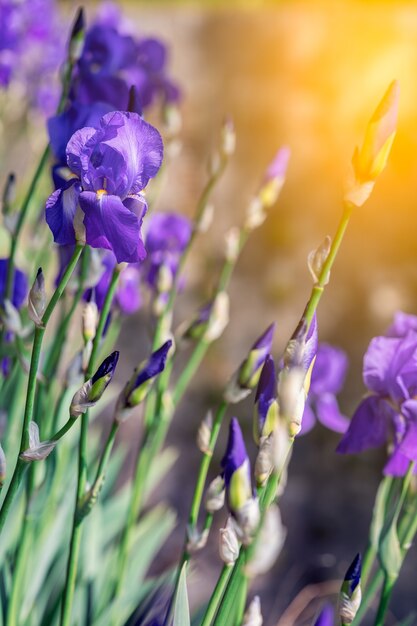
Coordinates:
x,y
308,75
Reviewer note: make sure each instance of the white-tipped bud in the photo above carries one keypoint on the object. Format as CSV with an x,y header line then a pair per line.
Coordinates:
x,y
280,445
219,317
38,450
232,240
10,317
196,540
292,397
253,615
215,495
172,119
269,544
89,321
264,464
214,164
37,299
247,520
164,279
204,434
80,402
349,605
317,258
3,467
228,138
255,214
205,219
228,543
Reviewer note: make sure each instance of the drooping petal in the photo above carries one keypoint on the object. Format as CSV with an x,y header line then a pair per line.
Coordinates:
x,y
403,322
109,224
329,370
60,212
76,149
397,464
377,362
368,427
327,410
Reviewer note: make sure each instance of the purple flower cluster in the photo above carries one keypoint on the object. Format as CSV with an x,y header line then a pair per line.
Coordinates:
x,y
32,48
388,414
112,164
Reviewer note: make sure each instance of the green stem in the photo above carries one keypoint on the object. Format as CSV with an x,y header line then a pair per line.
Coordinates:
x,y
217,595
318,288
384,601
189,370
31,388
72,566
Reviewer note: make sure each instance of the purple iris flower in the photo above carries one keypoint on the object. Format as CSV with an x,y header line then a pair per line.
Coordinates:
x,y
32,48
327,380
326,616
20,285
113,164
236,469
167,236
128,296
112,61
388,414
266,406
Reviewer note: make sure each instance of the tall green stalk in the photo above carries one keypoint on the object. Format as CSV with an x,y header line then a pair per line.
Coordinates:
x,y
31,388
72,566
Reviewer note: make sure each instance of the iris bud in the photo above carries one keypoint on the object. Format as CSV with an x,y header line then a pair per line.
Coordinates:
x,y
228,543
77,37
92,390
232,241
350,593
210,321
317,258
196,540
215,495
253,615
269,544
266,405
89,321
38,450
37,299
204,433
247,376
228,138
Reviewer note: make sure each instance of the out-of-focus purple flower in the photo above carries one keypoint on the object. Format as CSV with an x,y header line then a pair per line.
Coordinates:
x,y
236,469
388,414
32,48
167,236
327,380
113,164
266,405
326,616
113,61
20,285
128,296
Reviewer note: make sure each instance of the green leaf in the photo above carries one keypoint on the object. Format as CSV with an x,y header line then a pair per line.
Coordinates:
x,y
181,607
379,512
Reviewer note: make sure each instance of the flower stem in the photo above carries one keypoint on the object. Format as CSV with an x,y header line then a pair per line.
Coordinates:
x,y
31,388
318,288
72,566
189,371
387,588
217,595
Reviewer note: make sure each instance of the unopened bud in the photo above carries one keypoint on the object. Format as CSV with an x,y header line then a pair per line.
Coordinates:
x,y
292,398
219,317
164,279
317,258
255,214
9,194
232,241
195,540
228,138
264,464
77,37
228,543
172,119
214,164
92,390
37,299
350,594
253,615
38,450
274,178
281,445
204,434
3,467
247,520
10,317
215,495
269,543
89,321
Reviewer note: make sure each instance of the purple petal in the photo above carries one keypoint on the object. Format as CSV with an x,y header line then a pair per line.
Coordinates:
x,y
236,453
308,420
368,427
403,322
128,291
110,225
397,464
167,232
278,167
329,370
326,616
327,410
60,211
20,284
266,391
76,149
154,365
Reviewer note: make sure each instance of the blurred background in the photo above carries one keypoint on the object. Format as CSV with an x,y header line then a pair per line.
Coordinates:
x,y
307,75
